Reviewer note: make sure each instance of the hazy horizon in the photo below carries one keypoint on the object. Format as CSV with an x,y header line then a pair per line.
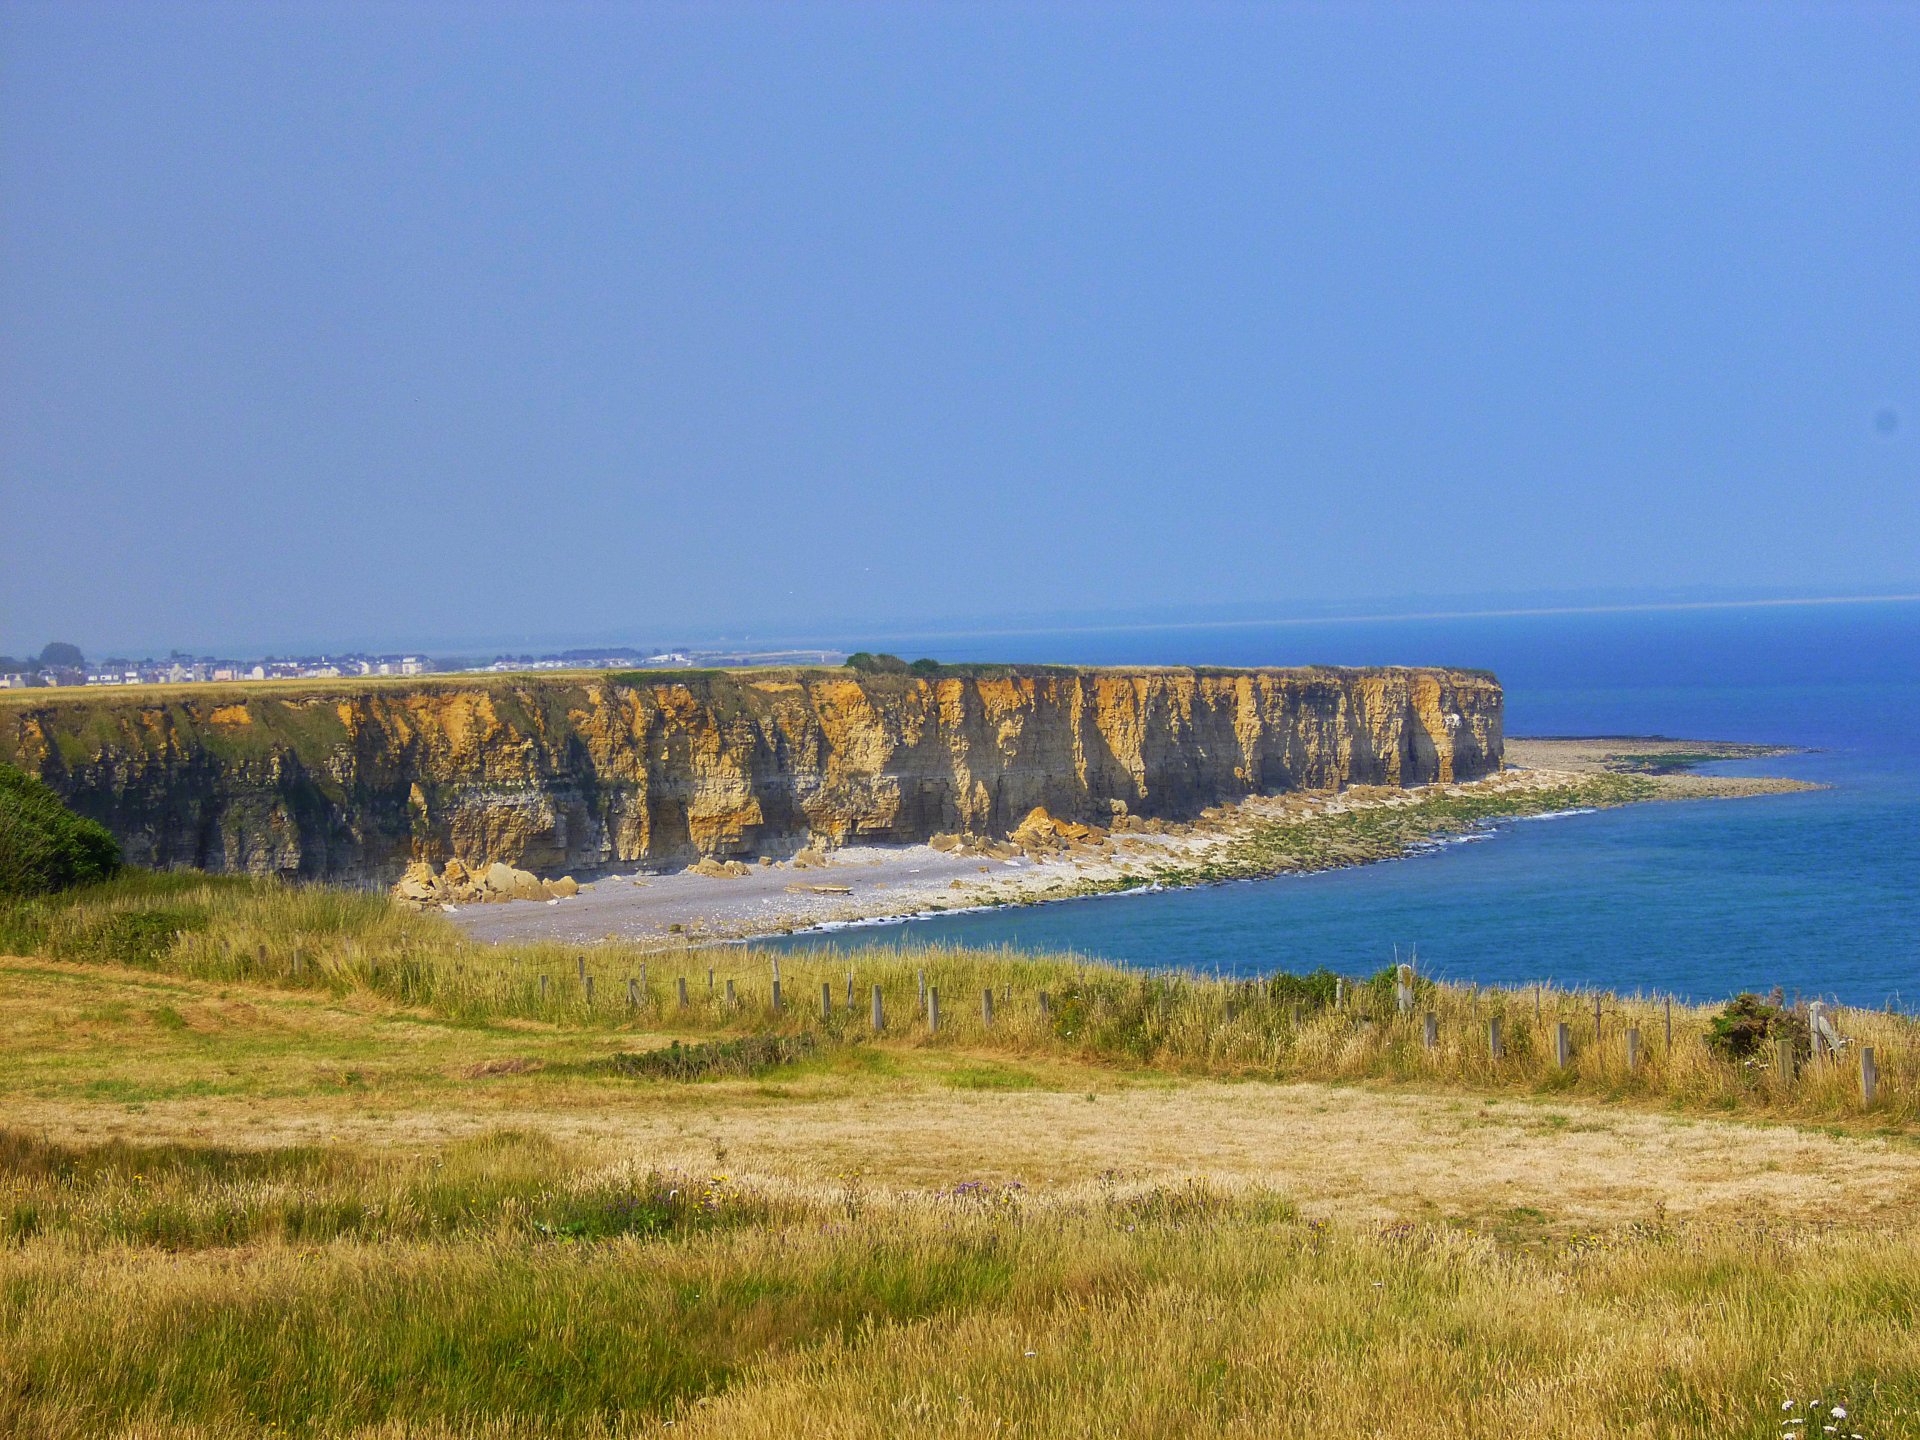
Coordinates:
x,y
437,326
928,631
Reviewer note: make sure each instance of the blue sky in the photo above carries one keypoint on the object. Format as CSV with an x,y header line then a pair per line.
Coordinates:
x,y
412,324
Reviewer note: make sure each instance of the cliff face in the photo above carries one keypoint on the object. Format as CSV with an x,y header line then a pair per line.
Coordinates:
x,y
573,773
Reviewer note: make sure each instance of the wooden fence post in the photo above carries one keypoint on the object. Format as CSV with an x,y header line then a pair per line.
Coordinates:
x,y
1432,1028
986,1007
879,1012
923,987
779,1002
1669,1023
1536,1004
1633,1047
586,982
1562,1045
1493,1037
709,982
849,989
580,962
1403,990
933,1009
681,986
826,999
1339,995
1783,1062
1046,1005
730,996
1869,1075
633,993
543,989
1596,1017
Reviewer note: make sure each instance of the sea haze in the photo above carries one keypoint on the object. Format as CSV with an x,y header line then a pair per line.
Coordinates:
x,y
1817,893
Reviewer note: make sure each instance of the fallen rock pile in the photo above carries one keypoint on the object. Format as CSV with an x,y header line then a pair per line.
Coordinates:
x,y
455,884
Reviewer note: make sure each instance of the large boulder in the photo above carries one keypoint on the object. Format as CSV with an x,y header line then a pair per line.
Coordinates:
x,y
418,886
501,881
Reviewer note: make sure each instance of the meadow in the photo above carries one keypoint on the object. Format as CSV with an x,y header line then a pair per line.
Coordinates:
x,y
280,1160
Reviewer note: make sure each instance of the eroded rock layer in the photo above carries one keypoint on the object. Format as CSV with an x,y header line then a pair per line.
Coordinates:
x,y
579,773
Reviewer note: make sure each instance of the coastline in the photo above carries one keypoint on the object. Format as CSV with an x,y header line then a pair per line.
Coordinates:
x,y
1262,836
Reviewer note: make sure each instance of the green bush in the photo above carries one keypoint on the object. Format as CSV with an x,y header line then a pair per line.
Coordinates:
x,y
1748,1023
1314,989
43,845
866,662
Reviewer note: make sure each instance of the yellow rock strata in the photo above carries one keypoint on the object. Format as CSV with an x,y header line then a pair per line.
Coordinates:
x,y
581,773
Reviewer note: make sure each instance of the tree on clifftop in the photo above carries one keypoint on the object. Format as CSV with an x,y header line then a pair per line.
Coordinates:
x,y
59,655
869,663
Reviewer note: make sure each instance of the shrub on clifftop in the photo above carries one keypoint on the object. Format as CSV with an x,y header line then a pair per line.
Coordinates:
x,y
867,662
43,845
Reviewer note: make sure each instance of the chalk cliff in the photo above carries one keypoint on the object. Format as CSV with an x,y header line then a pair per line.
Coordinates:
x,y
354,781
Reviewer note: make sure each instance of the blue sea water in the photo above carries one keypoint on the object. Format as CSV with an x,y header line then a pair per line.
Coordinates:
x,y
1817,892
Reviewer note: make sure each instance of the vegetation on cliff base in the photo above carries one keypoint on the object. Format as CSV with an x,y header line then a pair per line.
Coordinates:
x,y
43,845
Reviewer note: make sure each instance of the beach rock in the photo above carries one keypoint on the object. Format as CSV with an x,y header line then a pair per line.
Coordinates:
x,y
720,869
565,888
945,841
1035,829
1042,831
419,886
500,881
811,859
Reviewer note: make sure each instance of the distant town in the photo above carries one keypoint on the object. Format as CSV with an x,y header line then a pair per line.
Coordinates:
x,y
62,664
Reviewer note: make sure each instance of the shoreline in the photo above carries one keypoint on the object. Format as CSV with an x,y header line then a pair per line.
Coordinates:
x,y
1300,832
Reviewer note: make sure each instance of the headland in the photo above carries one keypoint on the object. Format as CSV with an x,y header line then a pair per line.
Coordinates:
x,y
586,774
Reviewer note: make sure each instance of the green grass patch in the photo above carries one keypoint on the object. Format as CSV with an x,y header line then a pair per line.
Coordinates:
x,y
991,1077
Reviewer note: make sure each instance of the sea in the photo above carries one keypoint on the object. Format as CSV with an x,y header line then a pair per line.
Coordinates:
x,y
1815,893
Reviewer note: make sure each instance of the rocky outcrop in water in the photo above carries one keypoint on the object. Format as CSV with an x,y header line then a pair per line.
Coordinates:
x,y
578,773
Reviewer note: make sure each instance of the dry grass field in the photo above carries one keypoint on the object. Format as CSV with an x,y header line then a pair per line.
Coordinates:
x,y
385,1196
